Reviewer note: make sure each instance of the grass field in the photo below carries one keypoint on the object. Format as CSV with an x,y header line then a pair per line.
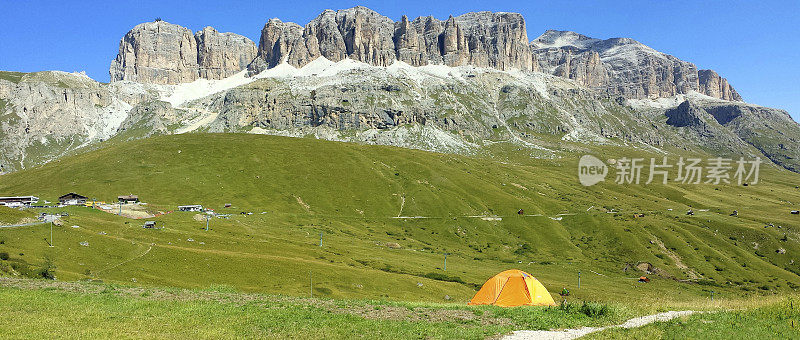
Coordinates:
x,y
36,309
388,215
91,310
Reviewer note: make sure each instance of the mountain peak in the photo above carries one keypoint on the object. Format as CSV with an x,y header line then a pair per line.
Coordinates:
x,y
617,66
558,39
163,53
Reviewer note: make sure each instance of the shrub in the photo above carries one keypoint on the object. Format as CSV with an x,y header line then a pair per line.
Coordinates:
x,y
46,271
590,309
567,307
594,309
323,290
524,249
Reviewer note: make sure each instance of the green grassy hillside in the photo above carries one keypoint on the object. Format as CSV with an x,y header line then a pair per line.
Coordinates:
x,y
91,310
366,200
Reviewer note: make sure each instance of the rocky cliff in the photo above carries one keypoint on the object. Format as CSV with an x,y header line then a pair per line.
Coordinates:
x,y
163,53
337,78
221,55
44,115
626,67
712,85
484,39
447,109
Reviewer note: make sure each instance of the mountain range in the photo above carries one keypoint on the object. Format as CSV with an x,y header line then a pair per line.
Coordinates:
x,y
456,85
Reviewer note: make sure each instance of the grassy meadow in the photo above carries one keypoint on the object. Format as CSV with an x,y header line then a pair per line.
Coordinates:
x,y
387,217
96,310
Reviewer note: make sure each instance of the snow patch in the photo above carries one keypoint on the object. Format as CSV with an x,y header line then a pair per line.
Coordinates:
x,y
564,39
322,67
200,88
178,95
283,70
258,131
670,102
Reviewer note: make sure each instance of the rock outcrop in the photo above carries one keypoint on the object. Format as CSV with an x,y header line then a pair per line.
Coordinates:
x,y
156,52
484,39
43,115
624,67
221,55
771,131
163,53
685,114
711,84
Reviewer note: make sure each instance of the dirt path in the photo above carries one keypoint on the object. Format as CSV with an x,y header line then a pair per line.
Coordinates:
x,y
675,258
22,225
402,204
579,332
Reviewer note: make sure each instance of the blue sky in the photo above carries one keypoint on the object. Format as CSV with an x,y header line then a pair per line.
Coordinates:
x,y
755,44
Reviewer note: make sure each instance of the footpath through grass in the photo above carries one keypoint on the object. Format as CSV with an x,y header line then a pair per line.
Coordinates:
x,y
780,320
35,309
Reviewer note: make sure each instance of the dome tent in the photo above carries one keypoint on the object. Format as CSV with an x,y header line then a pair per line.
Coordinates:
x,y
513,288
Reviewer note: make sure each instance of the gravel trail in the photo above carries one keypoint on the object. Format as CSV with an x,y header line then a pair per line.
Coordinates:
x,y
579,332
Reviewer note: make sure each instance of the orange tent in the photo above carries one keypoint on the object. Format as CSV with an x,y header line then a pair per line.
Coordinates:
x,y
513,288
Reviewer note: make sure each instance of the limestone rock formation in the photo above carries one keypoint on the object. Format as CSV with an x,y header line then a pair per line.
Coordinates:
x,y
45,114
685,114
156,52
163,53
588,90
713,85
482,39
221,55
498,40
277,40
623,66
